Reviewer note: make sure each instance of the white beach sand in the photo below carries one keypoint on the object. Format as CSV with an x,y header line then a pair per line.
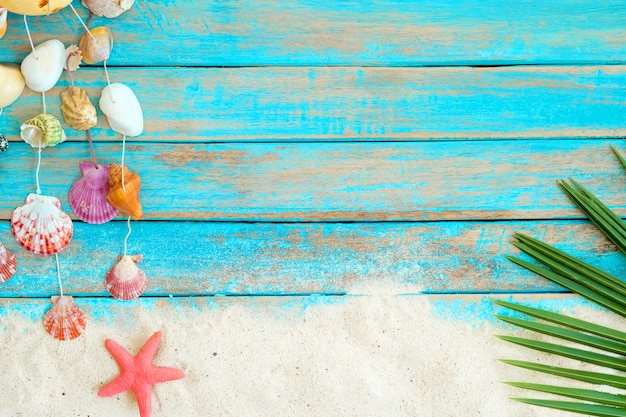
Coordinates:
x,y
273,356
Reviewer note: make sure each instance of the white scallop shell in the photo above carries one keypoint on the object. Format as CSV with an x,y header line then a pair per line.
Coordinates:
x,y
122,109
43,67
40,226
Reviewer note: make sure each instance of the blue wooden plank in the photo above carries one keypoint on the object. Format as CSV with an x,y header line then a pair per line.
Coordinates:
x,y
372,32
364,104
195,258
336,182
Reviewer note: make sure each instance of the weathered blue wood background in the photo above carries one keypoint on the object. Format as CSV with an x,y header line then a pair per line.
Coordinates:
x,y
338,148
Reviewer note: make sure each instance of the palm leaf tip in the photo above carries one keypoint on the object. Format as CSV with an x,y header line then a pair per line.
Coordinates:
x,y
574,407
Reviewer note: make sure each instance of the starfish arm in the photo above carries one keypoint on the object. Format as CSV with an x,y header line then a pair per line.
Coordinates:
x,y
117,386
124,359
143,394
148,350
158,374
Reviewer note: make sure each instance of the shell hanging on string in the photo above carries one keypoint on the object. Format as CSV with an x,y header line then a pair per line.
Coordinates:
x,y
4,143
42,130
40,226
108,8
43,67
3,23
34,7
77,109
8,264
122,109
88,195
125,197
11,84
125,281
96,47
65,320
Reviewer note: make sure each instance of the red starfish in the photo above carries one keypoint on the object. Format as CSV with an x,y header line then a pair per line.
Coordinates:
x,y
137,373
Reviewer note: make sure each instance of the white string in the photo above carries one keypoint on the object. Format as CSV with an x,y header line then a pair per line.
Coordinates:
x,y
81,21
43,101
106,73
123,154
56,256
127,235
38,166
32,46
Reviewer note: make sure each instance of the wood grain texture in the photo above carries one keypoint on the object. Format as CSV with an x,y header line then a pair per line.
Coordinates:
x,y
336,182
191,258
346,104
368,33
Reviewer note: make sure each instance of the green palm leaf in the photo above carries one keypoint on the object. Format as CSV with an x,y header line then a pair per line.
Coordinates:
x,y
592,283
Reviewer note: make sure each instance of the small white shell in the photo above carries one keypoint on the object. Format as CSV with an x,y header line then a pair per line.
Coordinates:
x,y
108,8
122,109
11,84
125,281
43,67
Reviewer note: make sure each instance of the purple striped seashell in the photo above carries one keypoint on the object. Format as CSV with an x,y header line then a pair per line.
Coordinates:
x,y
88,195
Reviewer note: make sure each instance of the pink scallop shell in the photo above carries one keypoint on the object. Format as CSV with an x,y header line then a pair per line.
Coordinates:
x,y
125,281
8,264
40,225
64,321
88,195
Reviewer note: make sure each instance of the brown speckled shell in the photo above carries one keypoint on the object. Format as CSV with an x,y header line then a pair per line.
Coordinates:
x,y
77,109
97,48
125,198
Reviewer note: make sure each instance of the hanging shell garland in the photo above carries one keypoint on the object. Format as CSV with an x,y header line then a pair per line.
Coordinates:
x,y
43,67
8,264
77,109
34,7
108,8
88,196
65,320
96,47
122,109
125,281
43,130
11,84
40,226
124,197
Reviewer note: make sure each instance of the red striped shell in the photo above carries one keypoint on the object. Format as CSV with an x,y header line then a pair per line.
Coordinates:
x,y
64,321
40,225
8,263
125,281
88,195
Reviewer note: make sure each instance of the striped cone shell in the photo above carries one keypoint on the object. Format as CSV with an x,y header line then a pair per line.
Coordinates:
x,y
40,226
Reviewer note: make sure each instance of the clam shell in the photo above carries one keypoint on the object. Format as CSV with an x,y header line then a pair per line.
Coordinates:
x,y
77,109
122,109
8,264
64,321
88,195
42,130
4,143
125,281
11,84
43,68
97,46
108,8
34,7
125,198
40,226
